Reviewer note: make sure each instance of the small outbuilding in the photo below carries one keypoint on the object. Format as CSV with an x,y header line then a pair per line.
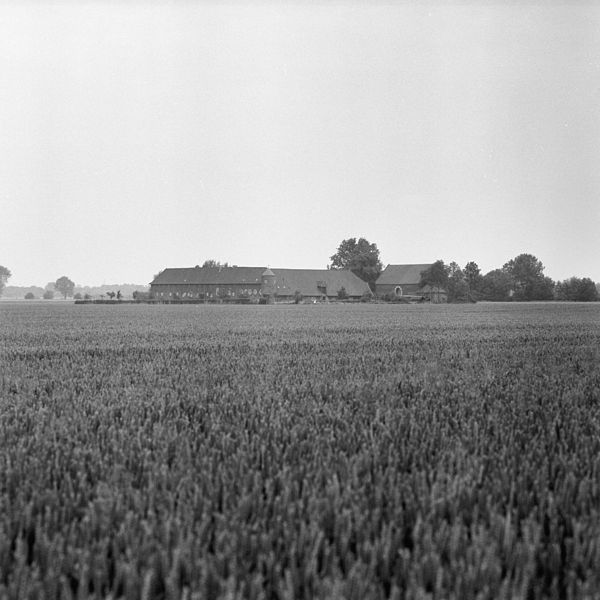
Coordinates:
x,y
398,281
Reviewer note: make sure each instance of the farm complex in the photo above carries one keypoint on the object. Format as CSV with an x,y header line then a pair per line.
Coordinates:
x,y
283,285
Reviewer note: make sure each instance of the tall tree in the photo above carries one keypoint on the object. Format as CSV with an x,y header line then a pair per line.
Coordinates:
x,y
65,286
361,257
472,276
458,289
529,282
4,277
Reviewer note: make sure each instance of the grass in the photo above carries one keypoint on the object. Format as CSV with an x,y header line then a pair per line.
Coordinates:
x,y
329,451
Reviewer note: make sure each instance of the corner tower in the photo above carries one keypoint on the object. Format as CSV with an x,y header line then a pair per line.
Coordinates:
x,y
268,285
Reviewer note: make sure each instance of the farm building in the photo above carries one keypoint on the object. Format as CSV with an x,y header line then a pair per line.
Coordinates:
x,y
231,283
405,280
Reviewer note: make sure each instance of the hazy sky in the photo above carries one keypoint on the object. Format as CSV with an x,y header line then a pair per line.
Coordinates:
x,y
138,136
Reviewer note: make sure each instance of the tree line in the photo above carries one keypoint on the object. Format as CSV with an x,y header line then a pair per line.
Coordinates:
x,y
520,279
63,285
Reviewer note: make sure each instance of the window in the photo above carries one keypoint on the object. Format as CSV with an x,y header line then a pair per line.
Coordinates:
x,y
398,291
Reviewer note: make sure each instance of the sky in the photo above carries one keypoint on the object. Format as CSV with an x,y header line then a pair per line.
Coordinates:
x,y
143,135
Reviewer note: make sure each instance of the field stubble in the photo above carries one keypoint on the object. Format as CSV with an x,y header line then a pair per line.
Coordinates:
x,y
287,452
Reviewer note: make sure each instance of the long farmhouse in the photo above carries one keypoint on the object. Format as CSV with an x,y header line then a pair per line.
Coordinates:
x,y
231,283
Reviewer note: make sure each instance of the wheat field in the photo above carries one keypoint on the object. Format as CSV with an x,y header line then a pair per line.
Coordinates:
x,y
349,451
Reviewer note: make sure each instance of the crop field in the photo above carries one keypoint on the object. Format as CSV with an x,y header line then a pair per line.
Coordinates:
x,y
299,452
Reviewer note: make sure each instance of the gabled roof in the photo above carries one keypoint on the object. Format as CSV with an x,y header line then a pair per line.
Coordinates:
x,y
210,275
308,282
401,274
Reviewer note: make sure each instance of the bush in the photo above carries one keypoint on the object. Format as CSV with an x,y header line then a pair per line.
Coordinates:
x,y
29,296
77,296
141,296
342,294
48,295
391,297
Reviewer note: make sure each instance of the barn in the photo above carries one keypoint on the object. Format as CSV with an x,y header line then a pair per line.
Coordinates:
x,y
405,281
252,283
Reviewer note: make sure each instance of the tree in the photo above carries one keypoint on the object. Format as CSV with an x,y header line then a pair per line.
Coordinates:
x,y
214,264
543,289
77,296
436,276
361,257
587,291
458,288
563,289
472,276
496,285
29,296
527,275
5,275
65,286
576,290
48,295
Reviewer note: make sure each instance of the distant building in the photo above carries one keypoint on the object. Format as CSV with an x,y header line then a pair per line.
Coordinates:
x,y
211,283
405,280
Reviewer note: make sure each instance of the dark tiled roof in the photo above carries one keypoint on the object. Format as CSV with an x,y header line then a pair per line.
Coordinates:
x,y
401,274
308,281
210,275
